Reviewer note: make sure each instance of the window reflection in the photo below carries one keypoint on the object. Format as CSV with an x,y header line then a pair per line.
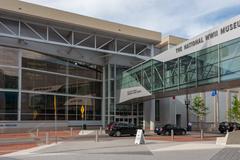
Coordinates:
x,y
187,70
84,87
85,70
42,62
39,61
9,56
41,107
230,60
92,108
43,74
43,82
171,73
8,106
207,62
8,78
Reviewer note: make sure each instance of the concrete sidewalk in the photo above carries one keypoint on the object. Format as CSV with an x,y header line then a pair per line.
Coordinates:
x,y
124,148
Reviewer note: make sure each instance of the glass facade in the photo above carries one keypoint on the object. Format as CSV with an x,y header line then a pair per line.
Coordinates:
x,y
210,65
30,81
8,106
230,60
131,113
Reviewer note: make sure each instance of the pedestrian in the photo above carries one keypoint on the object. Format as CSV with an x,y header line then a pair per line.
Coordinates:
x,y
189,126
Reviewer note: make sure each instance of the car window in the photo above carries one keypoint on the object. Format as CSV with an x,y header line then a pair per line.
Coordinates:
x,y
122,125
169,126
130,125
119,125
125,125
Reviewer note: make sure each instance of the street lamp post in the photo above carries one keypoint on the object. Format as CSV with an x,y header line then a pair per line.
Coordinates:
x,y
187,103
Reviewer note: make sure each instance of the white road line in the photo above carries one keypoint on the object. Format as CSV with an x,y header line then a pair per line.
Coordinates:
x,y
29,151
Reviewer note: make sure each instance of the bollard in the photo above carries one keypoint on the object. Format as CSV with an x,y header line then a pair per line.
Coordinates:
x,y
37,133
71,131
172,135
96,135
46,140
56,139
100,130
201,134
227,131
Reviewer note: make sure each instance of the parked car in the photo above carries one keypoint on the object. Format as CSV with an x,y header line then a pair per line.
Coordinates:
x,y
224,126
118,129
166,130
157,128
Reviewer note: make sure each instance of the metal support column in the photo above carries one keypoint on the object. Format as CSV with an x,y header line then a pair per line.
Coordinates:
x,y
67,90
19,83
219,69
152,50
228,103
109,91
103,98
115,89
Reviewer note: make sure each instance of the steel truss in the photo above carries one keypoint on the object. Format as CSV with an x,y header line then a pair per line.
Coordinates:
x,y
17,28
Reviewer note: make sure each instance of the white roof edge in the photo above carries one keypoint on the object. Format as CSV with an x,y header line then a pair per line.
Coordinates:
x,y
220,38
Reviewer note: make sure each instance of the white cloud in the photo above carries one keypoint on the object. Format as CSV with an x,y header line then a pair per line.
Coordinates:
x,y
176,17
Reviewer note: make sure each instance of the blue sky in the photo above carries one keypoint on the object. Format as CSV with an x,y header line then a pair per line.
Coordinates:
x,y
184,18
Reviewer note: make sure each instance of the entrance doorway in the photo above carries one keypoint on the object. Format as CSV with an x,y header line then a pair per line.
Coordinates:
x,y
178,120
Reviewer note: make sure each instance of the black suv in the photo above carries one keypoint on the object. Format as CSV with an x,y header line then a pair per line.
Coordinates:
x,y
118,129
166,130
230,126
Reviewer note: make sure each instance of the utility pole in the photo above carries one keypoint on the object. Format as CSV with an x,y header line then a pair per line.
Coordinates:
x,y
187,103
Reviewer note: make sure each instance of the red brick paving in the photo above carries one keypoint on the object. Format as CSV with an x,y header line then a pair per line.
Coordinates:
x,y
9,148
65,133
60,134
15,135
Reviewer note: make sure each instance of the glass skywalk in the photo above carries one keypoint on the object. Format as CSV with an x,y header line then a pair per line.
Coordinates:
x,y
211,65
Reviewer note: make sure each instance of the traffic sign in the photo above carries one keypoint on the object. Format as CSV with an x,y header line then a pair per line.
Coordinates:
x,y
82,109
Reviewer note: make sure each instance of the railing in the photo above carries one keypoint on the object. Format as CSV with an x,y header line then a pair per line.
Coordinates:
x,y
33,31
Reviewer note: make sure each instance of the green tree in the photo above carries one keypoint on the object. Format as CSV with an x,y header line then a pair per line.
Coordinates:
x,y
234,111
199,108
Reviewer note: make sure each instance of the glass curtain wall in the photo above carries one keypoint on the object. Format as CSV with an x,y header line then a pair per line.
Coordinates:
x,y
230,60
9,87
36,79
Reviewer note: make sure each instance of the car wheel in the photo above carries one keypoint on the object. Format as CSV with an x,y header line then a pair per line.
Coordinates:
x,y
183,132
167,133
221,132
118,133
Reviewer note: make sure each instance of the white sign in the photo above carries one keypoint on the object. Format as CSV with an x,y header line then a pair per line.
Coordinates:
x,y
139,137
133,92
229,30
